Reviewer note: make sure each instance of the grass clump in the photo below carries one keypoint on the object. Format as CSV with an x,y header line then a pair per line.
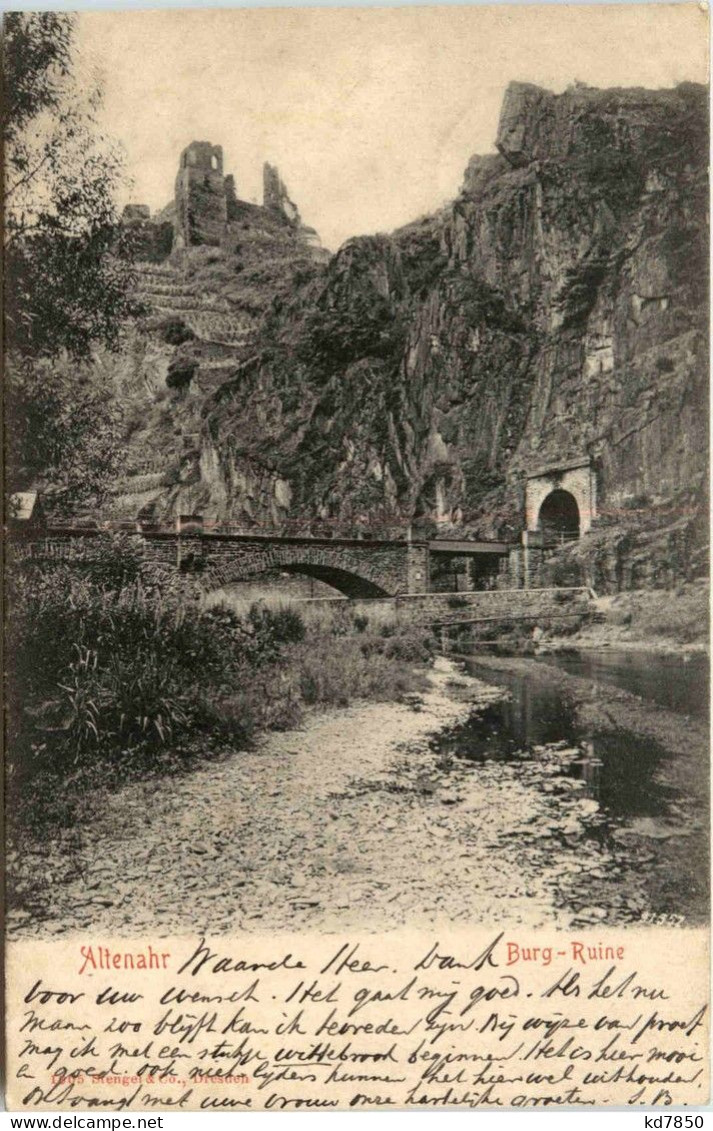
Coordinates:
x,y
118,672
680,616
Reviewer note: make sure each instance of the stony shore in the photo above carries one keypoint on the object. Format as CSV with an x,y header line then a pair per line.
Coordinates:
x,y
354,821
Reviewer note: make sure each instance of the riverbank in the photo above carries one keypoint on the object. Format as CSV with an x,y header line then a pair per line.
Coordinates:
x,y
656,620
371,817
132,678
329,826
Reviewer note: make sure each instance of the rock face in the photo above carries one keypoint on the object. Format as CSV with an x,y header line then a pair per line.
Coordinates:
x,y
554,313
537,125
611,185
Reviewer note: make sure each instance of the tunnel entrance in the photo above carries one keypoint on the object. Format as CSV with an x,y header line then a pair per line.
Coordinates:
x,y
559,518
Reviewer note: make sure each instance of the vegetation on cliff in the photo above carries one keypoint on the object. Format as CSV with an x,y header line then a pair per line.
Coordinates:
x,y
554,311
116,669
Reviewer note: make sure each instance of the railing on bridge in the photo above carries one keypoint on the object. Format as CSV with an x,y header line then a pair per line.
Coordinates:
x,y
326,528
296,527
554,539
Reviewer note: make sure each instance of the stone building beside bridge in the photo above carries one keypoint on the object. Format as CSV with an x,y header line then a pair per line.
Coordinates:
x,y
560,505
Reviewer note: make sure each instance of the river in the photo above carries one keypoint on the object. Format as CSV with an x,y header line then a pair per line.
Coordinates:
x,y
678,682
638,753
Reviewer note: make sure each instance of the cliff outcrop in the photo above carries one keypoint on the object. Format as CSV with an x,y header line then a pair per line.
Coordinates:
x,y
555,311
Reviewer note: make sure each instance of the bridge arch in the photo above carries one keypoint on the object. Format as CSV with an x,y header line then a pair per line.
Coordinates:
x,y
360,581
350,584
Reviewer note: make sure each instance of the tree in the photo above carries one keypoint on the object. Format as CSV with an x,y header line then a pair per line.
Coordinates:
x,y
67,263
36,62
69,277
64,433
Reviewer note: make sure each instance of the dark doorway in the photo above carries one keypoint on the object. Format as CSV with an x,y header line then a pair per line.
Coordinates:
x,y
559,517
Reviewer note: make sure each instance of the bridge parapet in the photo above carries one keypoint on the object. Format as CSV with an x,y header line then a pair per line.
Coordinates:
x,y
493,604
360,569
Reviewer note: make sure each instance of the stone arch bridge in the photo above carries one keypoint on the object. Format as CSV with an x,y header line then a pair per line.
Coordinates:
x,y
355,567
358,568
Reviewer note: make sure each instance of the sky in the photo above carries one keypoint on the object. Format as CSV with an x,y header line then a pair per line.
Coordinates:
x,y
371,114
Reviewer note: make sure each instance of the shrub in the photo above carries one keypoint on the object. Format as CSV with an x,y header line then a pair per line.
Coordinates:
x,y
109,561
115,673
274,627
120,666
175,332
353,673
410,647
636,503
566,573
286,625
181,372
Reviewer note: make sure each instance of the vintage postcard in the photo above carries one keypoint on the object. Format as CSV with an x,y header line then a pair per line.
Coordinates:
x,y
356,590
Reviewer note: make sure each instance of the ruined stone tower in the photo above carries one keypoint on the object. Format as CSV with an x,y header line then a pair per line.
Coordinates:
x,y
275,196
201,209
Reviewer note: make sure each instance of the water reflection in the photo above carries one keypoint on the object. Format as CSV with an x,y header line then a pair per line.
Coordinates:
x,y
588,769
679,683
647,828
617,769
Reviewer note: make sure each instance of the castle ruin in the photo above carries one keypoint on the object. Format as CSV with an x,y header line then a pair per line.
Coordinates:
x,y
206,201
275,196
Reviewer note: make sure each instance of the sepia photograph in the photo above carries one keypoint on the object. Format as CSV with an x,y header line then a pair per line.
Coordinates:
x,y
356,504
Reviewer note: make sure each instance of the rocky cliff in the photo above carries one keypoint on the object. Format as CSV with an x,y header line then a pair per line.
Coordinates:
x,y
555,311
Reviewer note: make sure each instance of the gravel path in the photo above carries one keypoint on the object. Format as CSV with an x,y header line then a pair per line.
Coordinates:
x,y
354,821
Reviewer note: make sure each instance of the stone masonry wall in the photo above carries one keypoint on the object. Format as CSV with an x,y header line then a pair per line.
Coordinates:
x,y
579,481
215,561
357,568
502,604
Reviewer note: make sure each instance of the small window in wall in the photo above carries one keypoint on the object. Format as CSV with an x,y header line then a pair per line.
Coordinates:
x,y
214,162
